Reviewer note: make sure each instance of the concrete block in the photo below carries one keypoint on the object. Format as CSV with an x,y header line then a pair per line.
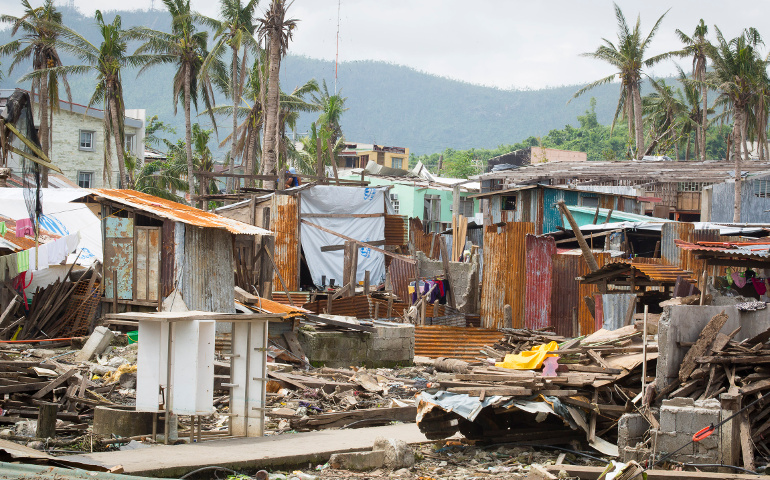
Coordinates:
x,y
124,422
685,419
679,402
358,461
667,442
631,428
96,344
667,419
398,453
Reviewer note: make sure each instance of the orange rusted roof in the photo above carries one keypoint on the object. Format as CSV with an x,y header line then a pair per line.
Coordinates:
x,y
463,343
176,211
269,306
24,243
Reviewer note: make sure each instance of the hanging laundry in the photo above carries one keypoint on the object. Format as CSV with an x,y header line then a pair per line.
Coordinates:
x,y
24,227
759,285
22,260
3,228
4,268
57,251
72,242
13,266
41,254
739,279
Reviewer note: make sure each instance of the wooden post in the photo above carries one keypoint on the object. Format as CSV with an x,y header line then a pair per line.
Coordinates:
x,y
508,316
587,254
390,305
376,311
609,216
450,296
353,269
46,419
596,215
366,282
319,158
656,253
644,349
575,323
346,263
115,291
329,303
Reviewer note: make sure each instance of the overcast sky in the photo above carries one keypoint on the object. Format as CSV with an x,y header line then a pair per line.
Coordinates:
x,y
502,43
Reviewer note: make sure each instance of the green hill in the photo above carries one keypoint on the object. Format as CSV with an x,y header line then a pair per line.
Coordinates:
x,y
388,104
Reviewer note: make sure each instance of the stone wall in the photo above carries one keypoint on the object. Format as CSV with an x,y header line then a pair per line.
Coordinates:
x,y
389,346
463,277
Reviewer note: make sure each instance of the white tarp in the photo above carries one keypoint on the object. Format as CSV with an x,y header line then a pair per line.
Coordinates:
x,y
328,199
60,217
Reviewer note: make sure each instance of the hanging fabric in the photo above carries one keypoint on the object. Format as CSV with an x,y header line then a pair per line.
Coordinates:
x,y
24,227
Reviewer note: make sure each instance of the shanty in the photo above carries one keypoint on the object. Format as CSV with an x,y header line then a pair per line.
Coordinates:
x,y
236,271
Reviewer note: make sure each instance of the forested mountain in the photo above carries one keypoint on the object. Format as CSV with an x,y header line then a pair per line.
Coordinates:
x,y
387,104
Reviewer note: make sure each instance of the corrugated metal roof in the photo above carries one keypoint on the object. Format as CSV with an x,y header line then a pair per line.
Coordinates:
x,y
453,342
23,243
176,211
656,272
760,250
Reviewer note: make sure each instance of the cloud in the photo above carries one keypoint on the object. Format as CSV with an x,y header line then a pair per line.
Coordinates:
x,y
517,43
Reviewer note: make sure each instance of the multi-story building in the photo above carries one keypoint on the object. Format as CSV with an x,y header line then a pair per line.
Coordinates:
x,y
77,143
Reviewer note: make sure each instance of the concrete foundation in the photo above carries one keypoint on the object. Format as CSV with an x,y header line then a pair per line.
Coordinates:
x,y
683,323
387,347
124,422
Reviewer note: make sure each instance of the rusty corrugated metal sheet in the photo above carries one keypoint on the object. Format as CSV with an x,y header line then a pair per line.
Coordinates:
x,y
427,243
356,306
284,222
119,257
207,283
396,230
463,343
167,271
298,298
567,294
540,252
400,273
669,252
504,276
175,211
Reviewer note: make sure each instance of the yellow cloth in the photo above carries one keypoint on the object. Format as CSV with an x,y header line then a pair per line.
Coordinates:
x,y
529,360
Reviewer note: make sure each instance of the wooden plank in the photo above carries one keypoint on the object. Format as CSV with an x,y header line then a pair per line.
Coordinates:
x,y
334,248
359,242
445,264
294,346
10,310
338,323
747,447
54,383
342,215
22,387
597,358
705,339
755,387
593,473
740,360
491,390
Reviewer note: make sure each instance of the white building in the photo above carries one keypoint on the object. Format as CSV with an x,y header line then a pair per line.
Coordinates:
x,y
77,144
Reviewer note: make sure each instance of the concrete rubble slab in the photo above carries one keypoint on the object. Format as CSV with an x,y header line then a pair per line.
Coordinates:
x,y
250,453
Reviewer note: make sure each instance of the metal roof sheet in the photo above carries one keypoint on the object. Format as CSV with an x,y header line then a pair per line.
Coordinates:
x,y
176,211
760,250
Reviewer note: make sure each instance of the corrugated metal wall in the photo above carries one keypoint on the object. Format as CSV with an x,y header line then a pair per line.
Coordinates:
x,y
614,309
540,252
504,276
396,229
551,215
427,243
567,293
754,209
207,281
400,273
284,222
669,252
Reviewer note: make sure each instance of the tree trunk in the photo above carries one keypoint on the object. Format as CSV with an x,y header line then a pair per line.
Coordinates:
x,y
230,182
697,145
188,136
638,122
737,133
43,132
630,114
115,129
269,147
704,117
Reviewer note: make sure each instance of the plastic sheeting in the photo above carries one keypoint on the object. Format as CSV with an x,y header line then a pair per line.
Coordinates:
x,y
466,406
335,200
60,217
530,359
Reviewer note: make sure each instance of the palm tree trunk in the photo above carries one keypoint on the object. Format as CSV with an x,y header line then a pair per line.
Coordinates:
x,y
43,132
697,144
737,131
188,135
269,151
704,118
689,144
230,183
638,122
115,129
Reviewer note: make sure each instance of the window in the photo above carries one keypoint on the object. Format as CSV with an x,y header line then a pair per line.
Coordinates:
x,y
691,186
130,142
394,202
397,162
87,140
85,179
762,188
590,201
466,207
508,202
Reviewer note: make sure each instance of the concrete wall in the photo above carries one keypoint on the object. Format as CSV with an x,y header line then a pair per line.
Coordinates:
x,y
389,346
463,277
683,323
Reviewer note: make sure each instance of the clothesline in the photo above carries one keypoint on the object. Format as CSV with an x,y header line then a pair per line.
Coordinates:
x,y
51,253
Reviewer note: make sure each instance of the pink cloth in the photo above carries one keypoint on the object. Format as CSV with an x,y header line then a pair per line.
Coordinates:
x,y
24,227
739,279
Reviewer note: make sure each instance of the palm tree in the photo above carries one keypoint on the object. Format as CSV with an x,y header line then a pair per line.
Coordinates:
x,y
663,109
695,45
235,29
628,58
107,62
692,117
39,43
329,129
186,49
278,31
738,74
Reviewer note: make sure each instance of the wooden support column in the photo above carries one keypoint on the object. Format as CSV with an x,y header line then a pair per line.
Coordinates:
x,y
587,254
46,419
